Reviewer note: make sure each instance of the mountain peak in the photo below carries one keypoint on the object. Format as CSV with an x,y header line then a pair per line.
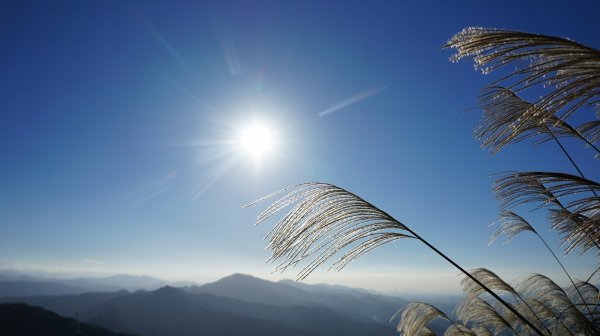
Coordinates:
x,y
243,279
166,290
240,276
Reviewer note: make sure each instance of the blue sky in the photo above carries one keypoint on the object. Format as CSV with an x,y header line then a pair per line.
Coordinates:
x,y
118,118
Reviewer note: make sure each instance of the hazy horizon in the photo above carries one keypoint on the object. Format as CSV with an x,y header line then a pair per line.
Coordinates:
x,y
350,280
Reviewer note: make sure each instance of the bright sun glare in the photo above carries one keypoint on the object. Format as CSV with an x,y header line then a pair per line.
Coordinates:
x,y
258,139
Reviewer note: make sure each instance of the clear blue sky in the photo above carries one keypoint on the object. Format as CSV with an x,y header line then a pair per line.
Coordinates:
x,y
117,118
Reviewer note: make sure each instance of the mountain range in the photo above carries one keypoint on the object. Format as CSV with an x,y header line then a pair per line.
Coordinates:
x,y
357,303
235,305
19,284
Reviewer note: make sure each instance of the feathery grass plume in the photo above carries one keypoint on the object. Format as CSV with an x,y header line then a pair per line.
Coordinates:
x,y
325,220
520,309
576,212
415,316
514,188
590,130
489,279
510,225
473,310
576,229
571,69
546,187
508,119
551,319
588,291
585,296
553,297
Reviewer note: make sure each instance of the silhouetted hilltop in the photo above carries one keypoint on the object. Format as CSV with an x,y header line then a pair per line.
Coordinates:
x,y
68,305
248,288
24,320
357,303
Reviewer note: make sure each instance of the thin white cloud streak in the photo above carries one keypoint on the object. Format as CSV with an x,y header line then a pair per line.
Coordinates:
x,y
352,100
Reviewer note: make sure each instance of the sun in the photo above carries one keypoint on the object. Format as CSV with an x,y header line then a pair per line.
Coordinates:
x,y
258,139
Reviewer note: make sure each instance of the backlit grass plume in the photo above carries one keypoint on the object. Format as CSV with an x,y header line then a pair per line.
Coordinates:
x,y
570,68
325,220
508,119
511,225
536,297
565,72
574,206
476,311
415,318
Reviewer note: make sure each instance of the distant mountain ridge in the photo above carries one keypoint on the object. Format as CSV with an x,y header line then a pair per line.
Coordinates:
x,y
248,288
13,284
322,287
358,303
235,305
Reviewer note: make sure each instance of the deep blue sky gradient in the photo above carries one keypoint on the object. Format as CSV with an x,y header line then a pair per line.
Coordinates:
x,y
115,114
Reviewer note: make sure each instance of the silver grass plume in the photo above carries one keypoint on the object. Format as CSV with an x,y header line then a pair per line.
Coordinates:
x,y
547,188
540,299
536,297
585,296
415,316
574,206
510,225
478,312
325,220
588,291
489,279
571,69
553,297
590,130
579,229
508,119
492,281
551,319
